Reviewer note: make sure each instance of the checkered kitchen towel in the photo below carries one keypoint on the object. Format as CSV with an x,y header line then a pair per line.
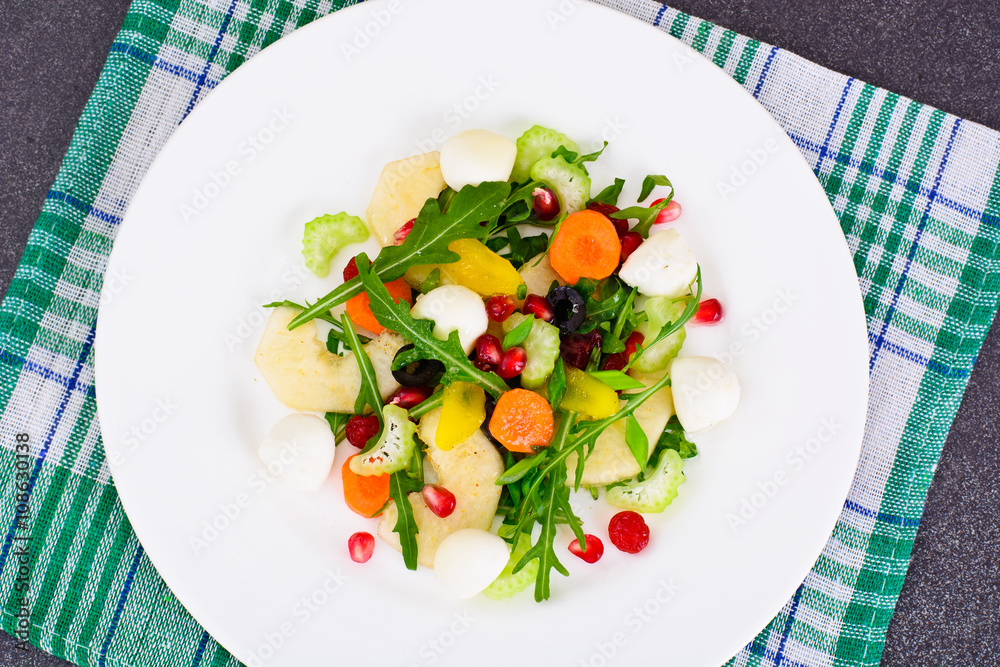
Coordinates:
x,y
917,192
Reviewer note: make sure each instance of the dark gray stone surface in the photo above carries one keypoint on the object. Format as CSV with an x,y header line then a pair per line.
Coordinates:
x,y
941,52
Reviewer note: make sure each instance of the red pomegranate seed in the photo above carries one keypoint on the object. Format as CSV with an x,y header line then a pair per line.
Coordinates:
x,y
484,366
670,212
546,205
595,549
488,349
635,339
439,500
408,397
361,429
500,306
603,209
538,306
630,241
403,231
512,363
361,545
628,532
709,312
351,270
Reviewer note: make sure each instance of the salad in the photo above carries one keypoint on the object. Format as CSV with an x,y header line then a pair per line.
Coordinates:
x,y
515,341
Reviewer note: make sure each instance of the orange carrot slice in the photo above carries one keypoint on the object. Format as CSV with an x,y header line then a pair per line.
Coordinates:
x,y
586,246
365,494
522,421
361,313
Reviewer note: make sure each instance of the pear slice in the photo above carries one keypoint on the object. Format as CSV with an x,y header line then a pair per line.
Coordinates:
x,y
612,460
470,472
538,274
401,191
305,376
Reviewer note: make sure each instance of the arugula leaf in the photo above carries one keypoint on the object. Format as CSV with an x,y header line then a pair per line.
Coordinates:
x,y
521,468
672,327
518,334
617,380
335,343
607,307
557,384
636,440
645,216
337,421
400,486
575,158
427,242
673,438
523,249
651,182
613,342
368,394
591,157
432,281
397,317
497,243
610,194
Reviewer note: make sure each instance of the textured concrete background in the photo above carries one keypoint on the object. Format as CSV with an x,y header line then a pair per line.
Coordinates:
x,y
941,52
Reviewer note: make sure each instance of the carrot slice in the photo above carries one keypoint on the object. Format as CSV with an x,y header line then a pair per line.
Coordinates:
x,y
586,246
361,313
365,494
522,421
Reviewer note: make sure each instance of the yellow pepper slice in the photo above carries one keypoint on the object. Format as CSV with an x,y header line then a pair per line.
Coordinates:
x,y
587,395
479,268
463,410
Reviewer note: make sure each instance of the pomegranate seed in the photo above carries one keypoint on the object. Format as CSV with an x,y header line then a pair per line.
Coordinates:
x,y
512,363
403,231
361,545
351,270
670,212
595,549
361,429
628,532
408,397
538,306
603,209
439,500
488,349
484,366
630,241
500,306
709,312
632,344
546,205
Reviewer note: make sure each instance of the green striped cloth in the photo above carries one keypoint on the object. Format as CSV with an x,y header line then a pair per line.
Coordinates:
x,y
918,196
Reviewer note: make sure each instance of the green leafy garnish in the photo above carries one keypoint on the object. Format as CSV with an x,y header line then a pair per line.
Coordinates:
x,y
523,249
431,282
610,194
617,380
613,296
518,334
369,393
651,182
397,317
337,421
672,327
557,384
574,157
673,438
636,440
400,486
645,216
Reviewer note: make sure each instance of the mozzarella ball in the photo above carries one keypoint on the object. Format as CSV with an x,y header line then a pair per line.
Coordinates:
x,y
454,308
705,392
661,266
469,560
476,156
299,451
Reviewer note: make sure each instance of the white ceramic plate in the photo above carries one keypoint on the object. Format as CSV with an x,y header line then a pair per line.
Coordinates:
x,y
304,129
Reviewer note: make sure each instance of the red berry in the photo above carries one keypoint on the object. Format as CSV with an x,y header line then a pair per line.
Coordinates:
x,y
408,397
512,363
595,549
351,270
670,212
403,231
361,545
500,306
439,500
614,362
361,429
546,205
630,241
575,350
621,227
709,312
603,209
635,339
538,306
628,532
488,349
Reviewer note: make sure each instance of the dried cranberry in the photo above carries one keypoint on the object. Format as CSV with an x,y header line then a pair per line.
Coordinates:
x,y
360,430
594,551
439,500
603,209
361,545
614,362
546,206
500,306
512,363
630,242
538,306
709,312
628,532
408,397
575,350
488,349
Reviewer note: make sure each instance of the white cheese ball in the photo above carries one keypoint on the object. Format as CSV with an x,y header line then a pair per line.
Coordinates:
x,y
454,308
705,392
476,156
299,451
661,266
469,560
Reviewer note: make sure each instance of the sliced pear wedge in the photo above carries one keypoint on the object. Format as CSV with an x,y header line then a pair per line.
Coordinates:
x,y
401,191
